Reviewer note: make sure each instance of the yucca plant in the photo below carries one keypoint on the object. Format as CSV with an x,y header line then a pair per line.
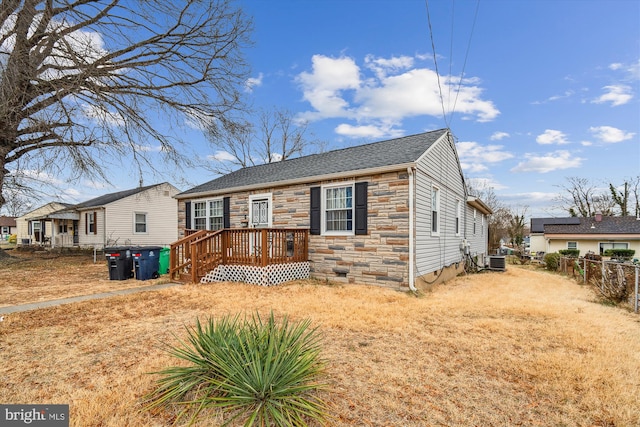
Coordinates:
x,y
263,372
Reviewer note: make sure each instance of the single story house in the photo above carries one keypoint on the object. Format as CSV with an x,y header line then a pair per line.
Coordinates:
x,y
392,213
138,216
34,227
592,234
7,227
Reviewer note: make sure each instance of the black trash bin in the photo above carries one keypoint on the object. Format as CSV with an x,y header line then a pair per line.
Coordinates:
x,y
120,262
146,262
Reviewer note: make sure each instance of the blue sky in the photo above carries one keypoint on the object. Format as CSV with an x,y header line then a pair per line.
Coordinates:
x,y
535,91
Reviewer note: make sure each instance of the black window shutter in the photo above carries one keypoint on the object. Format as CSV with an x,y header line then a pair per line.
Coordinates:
x,y
314,212
187,215
361,207
226,212
86,223
95,222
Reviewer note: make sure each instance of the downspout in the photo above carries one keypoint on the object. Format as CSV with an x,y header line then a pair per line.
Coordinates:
x,y
412,256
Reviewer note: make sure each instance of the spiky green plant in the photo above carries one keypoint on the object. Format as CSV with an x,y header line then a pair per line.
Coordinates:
x,y
264,372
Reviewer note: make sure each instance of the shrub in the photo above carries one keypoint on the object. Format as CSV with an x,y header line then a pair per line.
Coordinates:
x,y
262,372
574,253
552,261
621,254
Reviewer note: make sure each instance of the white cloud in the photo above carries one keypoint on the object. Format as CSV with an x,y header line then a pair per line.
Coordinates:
x,y
385,92
551,136
221,156
497,136
367,131
616,94
485,183
610,134
482,153
253,82
557,160
101,115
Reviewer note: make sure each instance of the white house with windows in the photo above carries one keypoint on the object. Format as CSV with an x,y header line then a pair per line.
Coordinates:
x,y
392,213
588,235
35,227
138,217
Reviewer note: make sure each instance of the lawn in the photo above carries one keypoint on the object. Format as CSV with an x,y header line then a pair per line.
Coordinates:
x,y
521,347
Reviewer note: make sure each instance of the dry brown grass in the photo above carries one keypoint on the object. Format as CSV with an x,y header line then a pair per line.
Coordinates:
x,y
42,276
521,347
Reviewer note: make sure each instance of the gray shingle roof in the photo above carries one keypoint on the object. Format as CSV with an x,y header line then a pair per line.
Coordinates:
x,y
374,155
608,225
538,224
105,199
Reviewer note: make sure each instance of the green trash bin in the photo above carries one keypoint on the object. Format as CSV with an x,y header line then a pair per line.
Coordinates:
x,y
164,261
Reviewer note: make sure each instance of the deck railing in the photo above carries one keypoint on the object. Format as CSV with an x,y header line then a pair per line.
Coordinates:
x,y
200,252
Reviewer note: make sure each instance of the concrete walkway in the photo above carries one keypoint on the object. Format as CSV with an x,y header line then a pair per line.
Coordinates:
x,y
61,301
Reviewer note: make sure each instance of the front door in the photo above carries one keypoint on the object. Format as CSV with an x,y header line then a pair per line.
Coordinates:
x,y
259,217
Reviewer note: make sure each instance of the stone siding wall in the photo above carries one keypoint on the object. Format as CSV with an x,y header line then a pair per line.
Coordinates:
x,y
379,258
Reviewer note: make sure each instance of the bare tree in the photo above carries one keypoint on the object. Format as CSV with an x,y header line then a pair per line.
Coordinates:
x,y
83,81
628,197
275,136
582,198
499,220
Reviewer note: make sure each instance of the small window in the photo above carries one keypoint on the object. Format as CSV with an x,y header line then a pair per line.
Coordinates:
x,y
140,222
435,210
475,214
572,245
216,215
62,228
338,212
458,209
91,222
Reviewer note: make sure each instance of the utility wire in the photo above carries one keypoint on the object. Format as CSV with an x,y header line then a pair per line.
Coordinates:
x,y
435,61
466,56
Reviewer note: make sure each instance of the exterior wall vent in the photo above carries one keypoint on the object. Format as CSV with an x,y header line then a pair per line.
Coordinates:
x,y
497,263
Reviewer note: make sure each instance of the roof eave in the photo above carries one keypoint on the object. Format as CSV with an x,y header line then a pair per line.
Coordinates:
x,y
479,204
296,181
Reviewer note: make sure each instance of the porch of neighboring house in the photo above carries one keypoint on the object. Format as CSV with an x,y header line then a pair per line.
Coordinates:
x,y
264,256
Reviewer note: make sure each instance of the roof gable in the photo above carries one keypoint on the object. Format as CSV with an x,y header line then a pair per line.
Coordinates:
x,y
399,151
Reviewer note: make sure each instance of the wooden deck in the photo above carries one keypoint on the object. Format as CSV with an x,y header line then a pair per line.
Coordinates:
x,y
201,251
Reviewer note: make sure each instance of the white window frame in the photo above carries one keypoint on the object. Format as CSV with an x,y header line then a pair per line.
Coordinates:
x,y
475,214
575,245
435,200
614,245
323,212
261,196
208,213
135,223
458,216
91,223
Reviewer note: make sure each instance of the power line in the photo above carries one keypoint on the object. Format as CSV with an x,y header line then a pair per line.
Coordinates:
x,y
435,61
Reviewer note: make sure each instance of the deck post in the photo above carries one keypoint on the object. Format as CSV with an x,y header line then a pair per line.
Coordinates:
x,y
265,247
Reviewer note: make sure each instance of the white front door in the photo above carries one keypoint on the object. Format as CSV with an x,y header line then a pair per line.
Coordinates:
x,y
259,217
260,211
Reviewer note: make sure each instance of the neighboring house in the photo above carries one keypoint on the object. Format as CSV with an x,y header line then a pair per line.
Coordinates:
x,y
34,227
594,234
7,227
139,216
392,213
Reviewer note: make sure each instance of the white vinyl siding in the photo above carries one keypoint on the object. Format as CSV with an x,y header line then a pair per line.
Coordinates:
x,y
437,168
114,220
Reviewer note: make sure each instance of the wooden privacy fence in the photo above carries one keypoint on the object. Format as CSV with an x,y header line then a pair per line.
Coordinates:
x,y
616,281
200,252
